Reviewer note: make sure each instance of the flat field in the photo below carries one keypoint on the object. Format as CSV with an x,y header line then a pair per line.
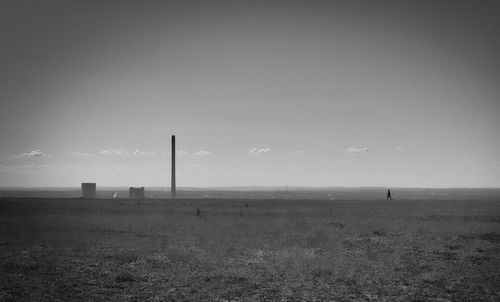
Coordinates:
x,y
249,250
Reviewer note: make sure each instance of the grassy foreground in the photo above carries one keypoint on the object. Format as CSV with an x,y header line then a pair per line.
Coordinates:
x,y
249,250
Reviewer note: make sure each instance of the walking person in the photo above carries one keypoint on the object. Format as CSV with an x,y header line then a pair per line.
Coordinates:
x,y
388,195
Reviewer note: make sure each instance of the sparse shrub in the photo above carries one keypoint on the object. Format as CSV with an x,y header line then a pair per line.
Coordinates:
x,y
126,257
322,273
19,266
348,244
303,226
163,243
479,259
446,254
337,225
379,233
316,239
452,247
124,277
491,237
81,246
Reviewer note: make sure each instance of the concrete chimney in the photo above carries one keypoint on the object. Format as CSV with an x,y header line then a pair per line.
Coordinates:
x,y
172,185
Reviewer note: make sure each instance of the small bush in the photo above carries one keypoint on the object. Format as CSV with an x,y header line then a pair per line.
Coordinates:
x,y
126,257
19,266
491,237
124,277
379,233
337,225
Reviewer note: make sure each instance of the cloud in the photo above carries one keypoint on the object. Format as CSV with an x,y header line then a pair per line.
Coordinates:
x,y
15,169
182,152
356,150
145,153
202,153
124,152
257,152
399,148
106,167
45,166
34,153
353,150
178,153
25,168
84,154
147,169
114,152
74,166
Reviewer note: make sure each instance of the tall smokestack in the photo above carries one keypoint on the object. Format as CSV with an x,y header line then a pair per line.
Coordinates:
x,y
172,185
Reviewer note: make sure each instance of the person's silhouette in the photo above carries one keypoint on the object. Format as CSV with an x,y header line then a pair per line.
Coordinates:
x,y
388,195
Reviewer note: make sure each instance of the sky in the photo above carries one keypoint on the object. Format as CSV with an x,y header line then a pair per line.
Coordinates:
x,y
272,93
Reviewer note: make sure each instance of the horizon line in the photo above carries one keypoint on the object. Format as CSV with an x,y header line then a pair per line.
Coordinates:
x,y
243,187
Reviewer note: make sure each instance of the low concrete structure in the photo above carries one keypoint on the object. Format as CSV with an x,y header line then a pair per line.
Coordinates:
x,y
88,190
136,193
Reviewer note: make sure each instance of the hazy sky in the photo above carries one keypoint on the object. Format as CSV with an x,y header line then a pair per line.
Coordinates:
x,y
333,93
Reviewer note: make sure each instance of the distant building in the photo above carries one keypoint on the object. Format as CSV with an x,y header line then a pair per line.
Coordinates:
x,y
136,193
88,190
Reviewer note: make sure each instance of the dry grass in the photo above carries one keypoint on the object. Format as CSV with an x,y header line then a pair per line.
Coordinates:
x,y
69,249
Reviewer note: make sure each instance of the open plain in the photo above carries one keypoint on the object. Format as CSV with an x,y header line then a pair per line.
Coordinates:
x,y
249,250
